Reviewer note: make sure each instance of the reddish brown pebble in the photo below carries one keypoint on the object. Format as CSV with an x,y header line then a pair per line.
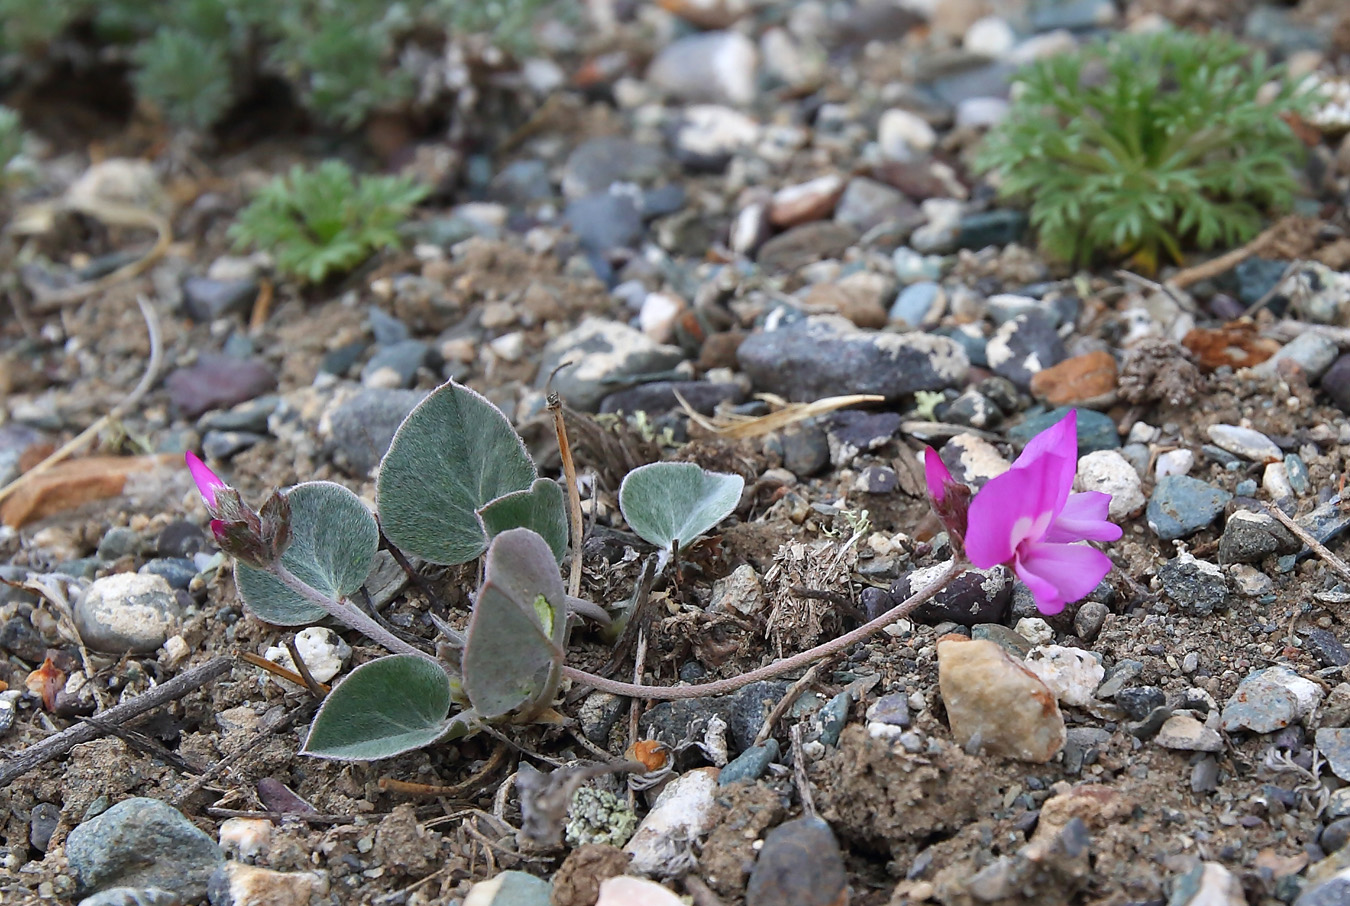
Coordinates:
x,y
71,484
1236,345
805,201
1076,380
800,865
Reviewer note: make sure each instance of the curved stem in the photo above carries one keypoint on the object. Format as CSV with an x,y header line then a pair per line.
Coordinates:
x,y
347,614
722,687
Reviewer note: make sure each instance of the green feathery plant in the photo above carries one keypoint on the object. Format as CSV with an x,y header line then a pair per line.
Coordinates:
x,y
327,220
1137,146
11,144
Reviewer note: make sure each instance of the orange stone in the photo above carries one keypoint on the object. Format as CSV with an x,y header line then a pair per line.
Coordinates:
x,y
1235,344
1076,380
71,484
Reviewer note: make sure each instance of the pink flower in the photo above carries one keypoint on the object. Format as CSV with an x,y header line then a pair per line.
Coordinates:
x,y
1028,518
949,498
208,482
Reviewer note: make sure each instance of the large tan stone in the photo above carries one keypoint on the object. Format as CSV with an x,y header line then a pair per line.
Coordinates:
x,y
996,703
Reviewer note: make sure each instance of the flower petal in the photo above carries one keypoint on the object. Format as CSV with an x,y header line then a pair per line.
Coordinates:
x,y
1060,573
1084,518
1015,507
936,474
1060,439
208,482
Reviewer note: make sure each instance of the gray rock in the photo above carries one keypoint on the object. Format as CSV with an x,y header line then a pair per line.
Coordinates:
x,y
1096,431
659,397
1083,745
205,300
19,638
867,203
971,408
914,303
892,710
1000,226
180,538
1139,701
15,439
806,449
251,415
1181,506
126,612
1271,699
395,366
1088,622
605,355
1005,637
1325,647
1197,587
991,81
42,823
750,765
673,723
852,432
1336,382
1250,537
605,220
1244,442
359,428
217,382
1311,352
805,244
223,446
1332,892
832,717
974,596
1125,670
119,541
1073,15
1296,470
1205,775
1024,346
596,164
522,182
177,571
1334,835
749,707
877,480
387,329
1274,27
1334,744
717,67
133,896
825,355
142,843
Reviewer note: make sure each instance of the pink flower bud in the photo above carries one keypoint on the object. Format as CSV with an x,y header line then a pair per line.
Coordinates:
x,y
208,482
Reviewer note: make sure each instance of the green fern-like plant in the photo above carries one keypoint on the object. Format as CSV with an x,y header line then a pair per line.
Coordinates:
x,y
326,220
1141,145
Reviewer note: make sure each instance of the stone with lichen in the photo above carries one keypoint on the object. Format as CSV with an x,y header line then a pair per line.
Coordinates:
x,y
599,816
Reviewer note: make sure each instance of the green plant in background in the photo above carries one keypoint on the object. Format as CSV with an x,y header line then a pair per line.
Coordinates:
x,y
11,144
1145,143
327,220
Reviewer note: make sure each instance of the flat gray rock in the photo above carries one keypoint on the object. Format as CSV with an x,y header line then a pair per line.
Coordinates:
x,y
142,843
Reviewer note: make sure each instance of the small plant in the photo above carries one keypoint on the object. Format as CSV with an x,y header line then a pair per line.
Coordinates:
x,y
327,220
457,482
11,143
1139,145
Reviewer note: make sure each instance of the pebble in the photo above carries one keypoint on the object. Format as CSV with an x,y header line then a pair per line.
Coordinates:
x,y
623,890
867,203
974,596
685,810
510,888
749,708
938,235
709,134
804,245
132,896
1197,587
990,37
717,67
1332,891
118,542
982,229
904,136
594,165
1249,537
800,864
1208,884
917,304
971,408
1087,379
322,650
1096,431
1334,835
1174,462
806,450
521,182
1013,642
251,415
1088,622
1336,382
217,382
142,842
750,765
395,366
605,220
825,355
222,446
1334,744
126,612
1181,506
1139,701
205,300
238,884
995,703
604,353
1184,732
1311,352
1109,472
740,592
982,113
1244,442
659,397
911,267
1024,346
1275,482
802,202
1072,674
1325,647
245,838
177,571
359,427
1270,699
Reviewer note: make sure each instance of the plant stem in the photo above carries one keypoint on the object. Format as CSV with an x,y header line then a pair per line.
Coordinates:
x,y
722,687
347,614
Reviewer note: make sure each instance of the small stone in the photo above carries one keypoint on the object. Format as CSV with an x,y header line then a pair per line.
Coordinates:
x,y
245,838
995,703
982,113
1174,462
605,221
596,164
222,446
395,366
1333,891
322,650
1184,732
1205,775
1296,471
142,843
217,382
1072,674
1081,379
251,415
1311,352
1181,506
139,896
1325,647
1336,382
903,135
990,37
659,397
1197,587
974,596
1275,481
981,229
805,245
1139,701
602,354
710,134
750,765
624,890
119,542
1270,699
1249,444
1088,622
857,303
800,864
510,888
684,811
740,592
938,235
177,571
205,300
806,450
877,480
717,67
658,315
1005,637
1109,472
972,409
748,709
359,427
867,203
239,884
813,200
825,355
917,304
127,612
1208,884
1334,744
1249,537
1334,835
1096,431
1024,346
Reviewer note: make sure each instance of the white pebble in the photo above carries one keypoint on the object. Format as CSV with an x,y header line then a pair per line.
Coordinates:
x,y
1109,472
903,135
991,37
322,650
1034,630
1174,462
1276,481
685,810
1071,673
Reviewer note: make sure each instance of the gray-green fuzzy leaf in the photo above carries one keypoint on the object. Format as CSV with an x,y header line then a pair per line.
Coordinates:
x,y
454,454
541,509
519,626
665,502
389,706
334,539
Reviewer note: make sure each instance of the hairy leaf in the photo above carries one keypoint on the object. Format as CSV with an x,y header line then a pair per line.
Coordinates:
x,y
666,502
541,509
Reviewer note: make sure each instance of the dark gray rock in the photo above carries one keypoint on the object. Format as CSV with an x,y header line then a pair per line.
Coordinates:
x,y
892,709
1181,506
217,382
1197,587
826,356
19,638
396,365
119,541
1334,836
251,415
674,723
806,450
1336,382
1205,775
341,360
749,708
387,329
42,823
142,843
878,480
992,81
1096,431
595,165
1000,226
971,408
1073,15
223,446
361,426
832,717
974,596
1088,622
177,571
659,397
1325,647
1250,537
1024,346
853,431
205,300
180,539
1139,701
522,182
605,220
750,765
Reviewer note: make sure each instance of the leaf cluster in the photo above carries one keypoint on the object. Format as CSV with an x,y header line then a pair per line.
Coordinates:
x,y
457,482
326,220
194,58
1142,144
